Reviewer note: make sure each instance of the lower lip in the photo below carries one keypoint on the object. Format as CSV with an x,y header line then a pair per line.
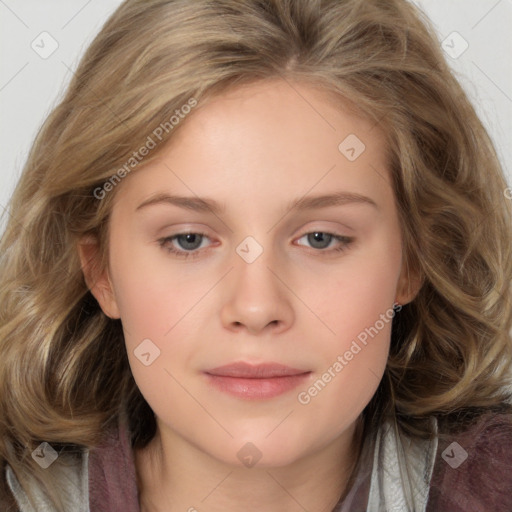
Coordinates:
x,y
256,389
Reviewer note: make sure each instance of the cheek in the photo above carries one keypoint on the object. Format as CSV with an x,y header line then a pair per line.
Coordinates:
x,y
358,291
157,322
354,363
158,311
356,304
153,293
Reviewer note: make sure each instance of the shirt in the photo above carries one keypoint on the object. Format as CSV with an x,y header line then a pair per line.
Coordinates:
x,y
470,472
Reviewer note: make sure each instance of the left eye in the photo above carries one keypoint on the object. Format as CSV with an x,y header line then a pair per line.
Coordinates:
x,y
322,240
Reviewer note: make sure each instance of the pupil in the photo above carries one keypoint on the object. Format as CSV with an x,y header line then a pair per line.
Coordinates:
x,y
319,240
189,241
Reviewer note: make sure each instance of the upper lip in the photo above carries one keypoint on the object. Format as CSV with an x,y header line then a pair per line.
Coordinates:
x,y
255,371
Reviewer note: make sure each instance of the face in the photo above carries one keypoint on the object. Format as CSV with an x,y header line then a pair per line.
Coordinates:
x,y
298,288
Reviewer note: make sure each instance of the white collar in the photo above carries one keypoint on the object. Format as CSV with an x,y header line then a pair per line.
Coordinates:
x,y
401,471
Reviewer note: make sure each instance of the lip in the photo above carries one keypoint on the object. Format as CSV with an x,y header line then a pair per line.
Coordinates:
x,y
261,381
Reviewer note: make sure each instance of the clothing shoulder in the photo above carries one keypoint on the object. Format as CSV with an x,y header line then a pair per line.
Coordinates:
x,y
99,479
71,474
112,475
473,469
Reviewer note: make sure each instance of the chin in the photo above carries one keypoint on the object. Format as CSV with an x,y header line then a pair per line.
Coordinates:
x,y
258,452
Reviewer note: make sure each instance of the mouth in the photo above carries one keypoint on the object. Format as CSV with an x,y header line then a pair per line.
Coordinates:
x,y
253,382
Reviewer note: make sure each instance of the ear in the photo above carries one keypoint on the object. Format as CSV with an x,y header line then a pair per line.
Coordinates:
x,y
409,284
98,281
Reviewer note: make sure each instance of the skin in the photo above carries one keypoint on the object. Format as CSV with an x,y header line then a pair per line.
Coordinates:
x,y
254,150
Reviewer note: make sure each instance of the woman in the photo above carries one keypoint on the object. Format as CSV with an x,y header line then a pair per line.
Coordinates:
x,y
259,257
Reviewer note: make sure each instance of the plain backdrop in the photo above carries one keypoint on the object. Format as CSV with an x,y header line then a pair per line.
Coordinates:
x,y
41,42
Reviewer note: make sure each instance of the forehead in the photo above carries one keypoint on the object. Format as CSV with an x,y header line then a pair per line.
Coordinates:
x,y
272,138
273,113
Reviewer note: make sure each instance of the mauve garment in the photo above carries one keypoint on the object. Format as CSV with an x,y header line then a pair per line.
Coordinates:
x,y
112,478
481,483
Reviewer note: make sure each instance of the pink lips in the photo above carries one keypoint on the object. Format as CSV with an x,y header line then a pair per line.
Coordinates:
x,y
256,381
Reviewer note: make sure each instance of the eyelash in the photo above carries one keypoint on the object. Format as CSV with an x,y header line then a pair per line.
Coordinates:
x,y
345,243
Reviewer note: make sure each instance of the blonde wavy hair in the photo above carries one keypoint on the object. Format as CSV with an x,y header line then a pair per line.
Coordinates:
x,y
64,373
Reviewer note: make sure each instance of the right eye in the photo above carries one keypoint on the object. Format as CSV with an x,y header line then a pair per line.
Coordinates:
x,y
183,245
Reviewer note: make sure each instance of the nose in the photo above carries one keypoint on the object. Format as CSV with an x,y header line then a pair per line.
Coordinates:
x,y
256,300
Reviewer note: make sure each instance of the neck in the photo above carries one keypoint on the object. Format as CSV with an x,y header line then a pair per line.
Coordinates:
x,y
174,475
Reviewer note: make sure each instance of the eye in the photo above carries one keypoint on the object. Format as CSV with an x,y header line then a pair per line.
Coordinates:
x,y
183,244
322,240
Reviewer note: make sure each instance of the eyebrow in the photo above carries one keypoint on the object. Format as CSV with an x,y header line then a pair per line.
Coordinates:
x,y
304,203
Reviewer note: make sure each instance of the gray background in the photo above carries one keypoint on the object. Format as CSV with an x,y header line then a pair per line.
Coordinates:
x,y
31,83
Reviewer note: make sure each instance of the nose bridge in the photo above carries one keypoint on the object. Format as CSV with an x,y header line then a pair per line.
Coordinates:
x,y
256,298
